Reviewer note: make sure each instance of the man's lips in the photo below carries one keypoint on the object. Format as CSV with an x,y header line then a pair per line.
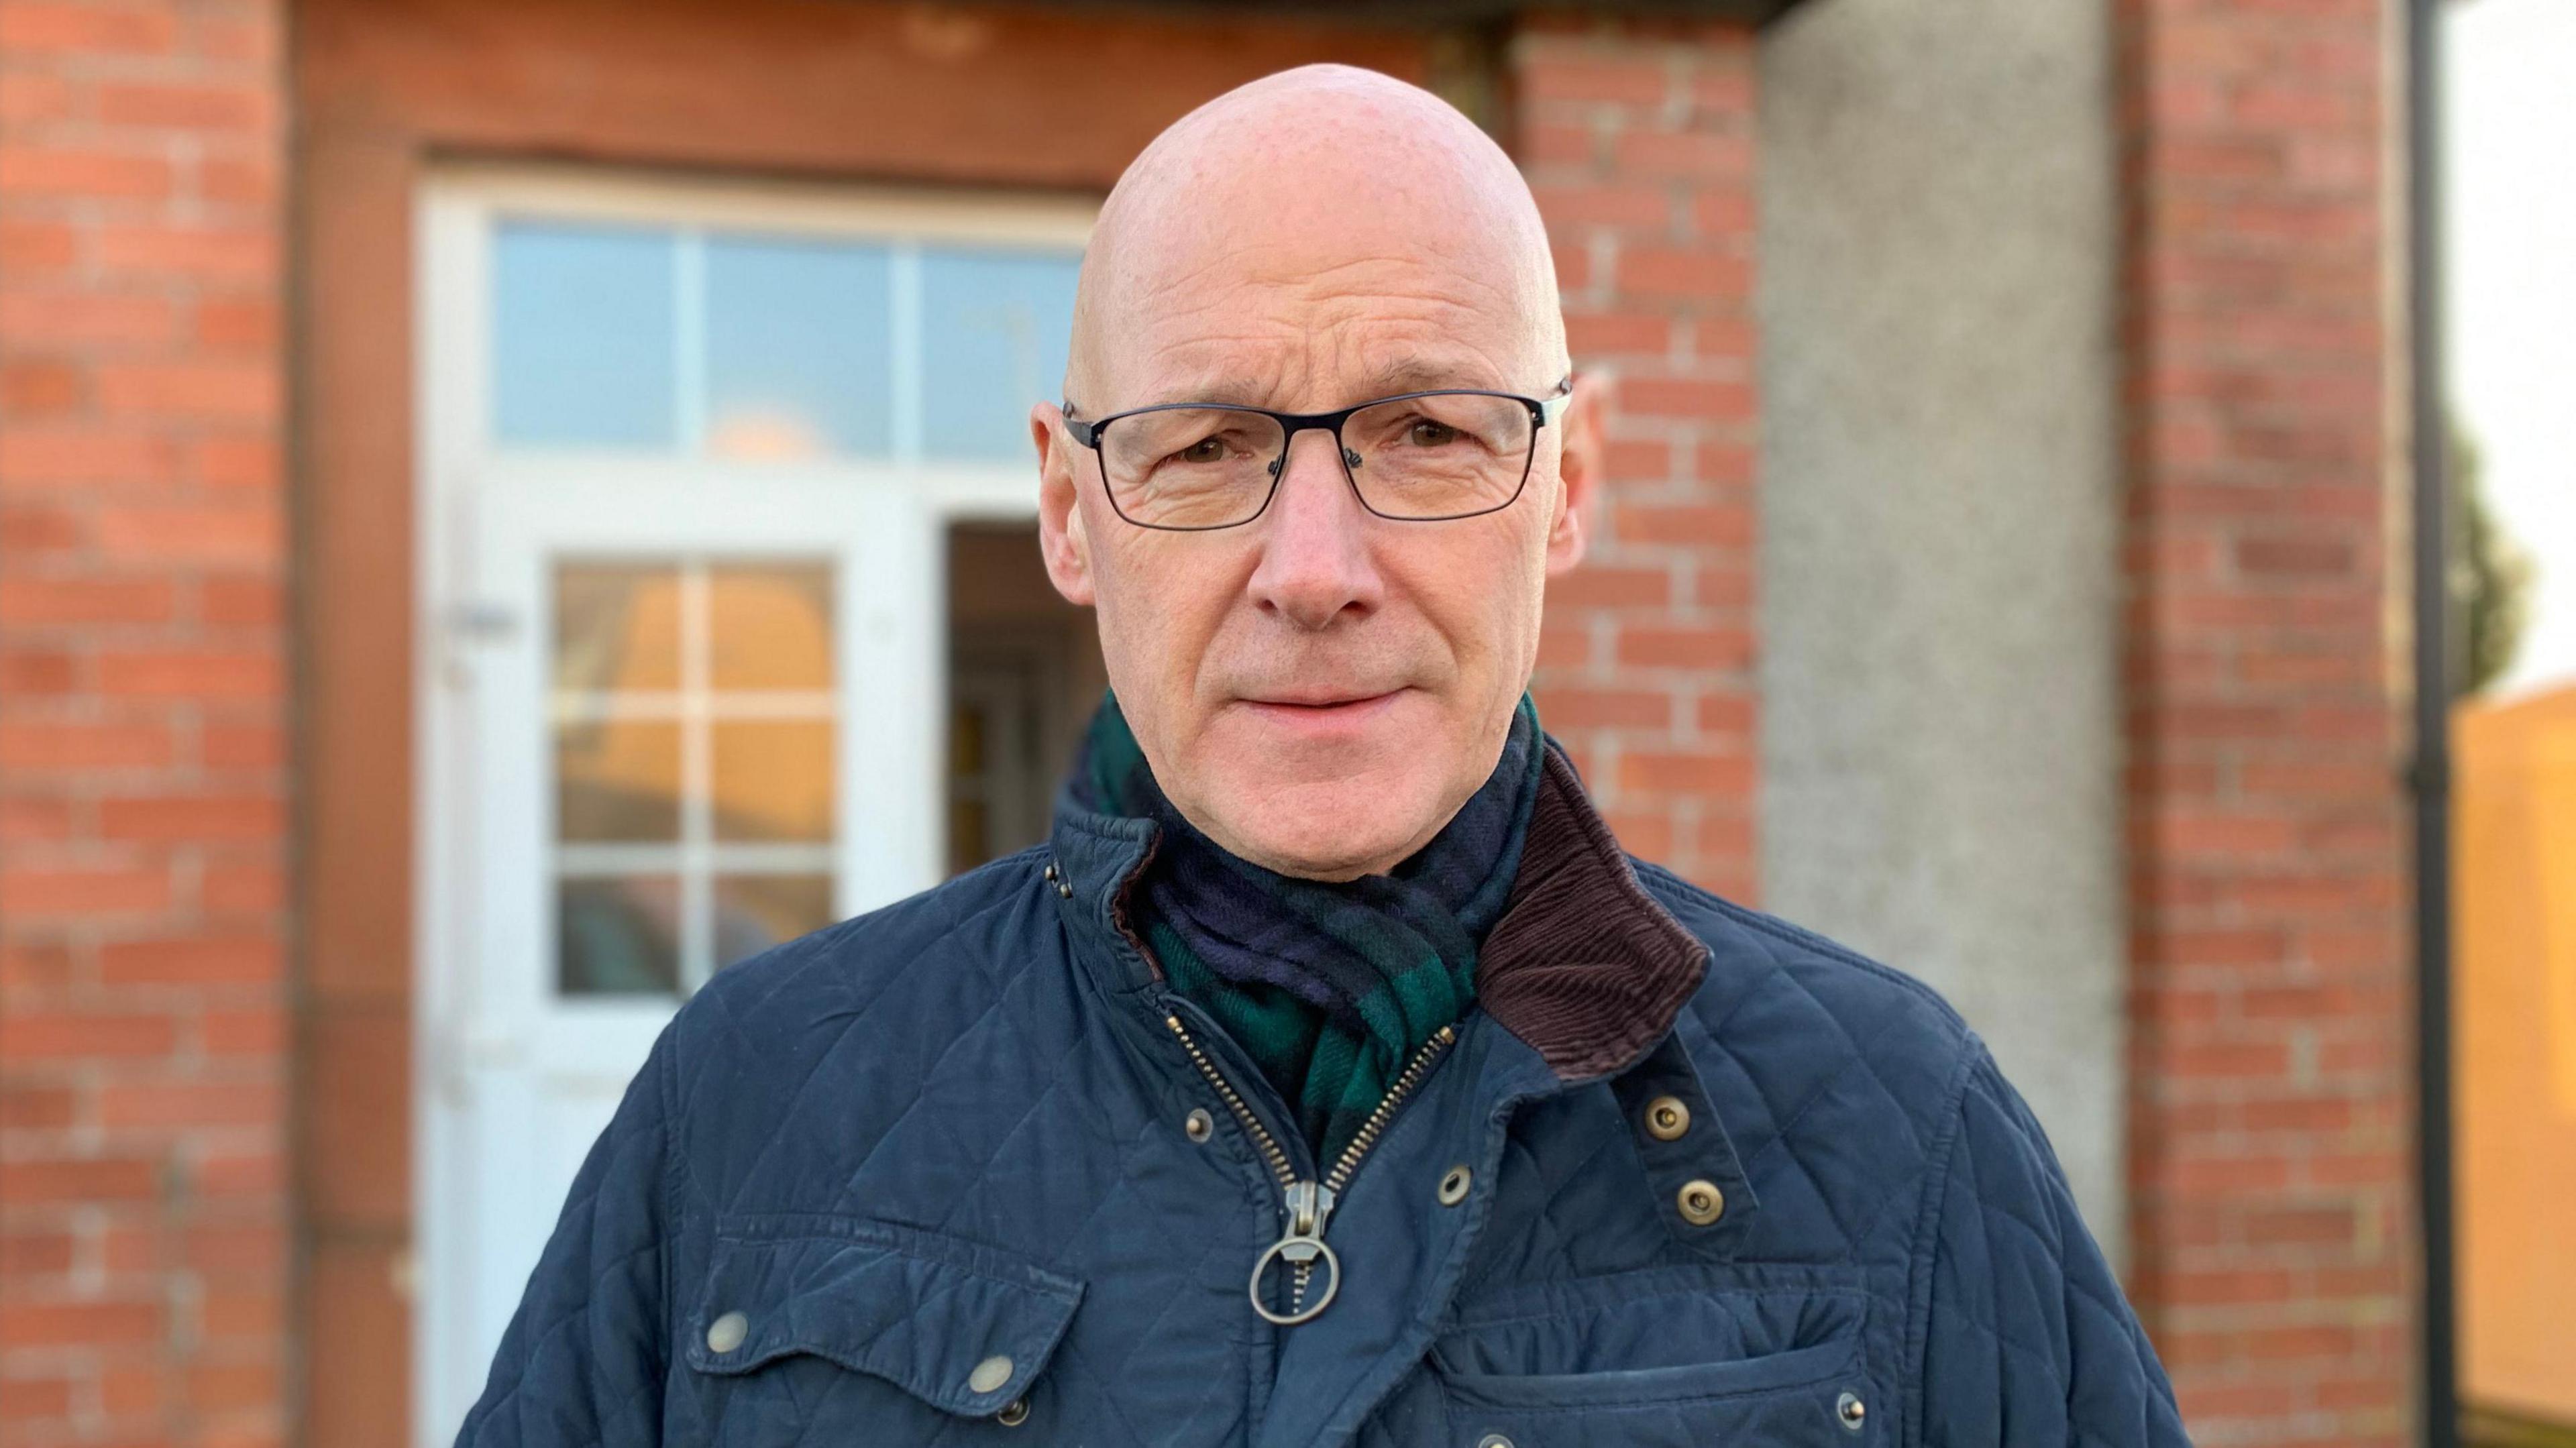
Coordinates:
x,y
1320,698
1321,712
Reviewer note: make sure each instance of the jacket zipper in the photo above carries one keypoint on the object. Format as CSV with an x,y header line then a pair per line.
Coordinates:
x,y
1309,1205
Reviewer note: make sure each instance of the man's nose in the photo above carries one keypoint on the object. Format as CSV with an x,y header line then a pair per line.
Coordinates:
x,y
1315,559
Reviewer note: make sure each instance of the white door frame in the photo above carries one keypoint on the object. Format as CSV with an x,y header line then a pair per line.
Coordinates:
x,y
462,485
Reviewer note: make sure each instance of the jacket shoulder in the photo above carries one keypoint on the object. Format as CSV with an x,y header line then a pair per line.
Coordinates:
x,y
1753,953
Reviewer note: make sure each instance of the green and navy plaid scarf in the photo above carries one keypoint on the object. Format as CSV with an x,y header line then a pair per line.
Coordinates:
x,y
1329,987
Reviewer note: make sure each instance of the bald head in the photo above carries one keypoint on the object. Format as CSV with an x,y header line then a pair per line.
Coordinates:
x,y
1313,183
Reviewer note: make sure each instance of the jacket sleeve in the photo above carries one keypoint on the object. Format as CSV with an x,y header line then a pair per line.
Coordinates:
x,y
2029,1340
583,1360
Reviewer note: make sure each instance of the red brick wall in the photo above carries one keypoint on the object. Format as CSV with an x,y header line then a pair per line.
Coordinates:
x,y
1639,143
144,1221
2270,1020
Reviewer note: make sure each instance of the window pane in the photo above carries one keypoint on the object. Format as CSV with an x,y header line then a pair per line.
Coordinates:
x,y
773,780
770,625
796,349
617,626
995,327
582,336
755,912
617,780
618,937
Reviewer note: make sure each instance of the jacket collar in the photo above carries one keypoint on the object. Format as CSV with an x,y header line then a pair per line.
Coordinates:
x,y
1584,966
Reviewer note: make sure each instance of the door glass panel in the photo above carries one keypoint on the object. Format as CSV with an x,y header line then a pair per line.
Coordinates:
x,y
772,627
773,779
583,335
617,780
693,726
618,936
995,328
797,363
617,626
755,912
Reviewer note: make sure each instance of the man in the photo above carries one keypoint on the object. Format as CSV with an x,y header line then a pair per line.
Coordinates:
x,y
1330,1076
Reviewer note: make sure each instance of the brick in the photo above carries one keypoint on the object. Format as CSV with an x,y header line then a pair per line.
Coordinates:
x,y
1676,397
87,30
1714,647
193,960
29,1035
184,818
1685,156
1580,79
226,533
1658,772
79,457
35,602
38,893
208,391
1702,274
83,746
27,1183
68,174
86,319
125,1106
191,673
237,105
1698,525
28,1323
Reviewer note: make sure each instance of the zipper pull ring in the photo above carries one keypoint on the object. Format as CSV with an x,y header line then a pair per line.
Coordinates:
x,y
1309,1205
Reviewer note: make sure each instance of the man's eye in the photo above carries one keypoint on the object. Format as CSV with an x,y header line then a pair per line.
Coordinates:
x,y
1426,433
1206,450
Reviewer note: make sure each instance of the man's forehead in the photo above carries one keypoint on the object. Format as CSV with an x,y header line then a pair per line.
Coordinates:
x,y
1322,229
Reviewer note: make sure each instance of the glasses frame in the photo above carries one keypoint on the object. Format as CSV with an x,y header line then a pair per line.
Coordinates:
x,y
1542,410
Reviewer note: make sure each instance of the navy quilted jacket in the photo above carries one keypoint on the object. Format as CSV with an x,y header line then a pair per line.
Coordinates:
x,y
964,1171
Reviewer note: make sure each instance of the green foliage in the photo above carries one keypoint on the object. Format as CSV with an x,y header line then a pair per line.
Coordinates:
x,y
2490,578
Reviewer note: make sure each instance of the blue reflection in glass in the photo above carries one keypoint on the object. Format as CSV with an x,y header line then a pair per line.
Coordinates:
x,y
995,327
582,321
796,349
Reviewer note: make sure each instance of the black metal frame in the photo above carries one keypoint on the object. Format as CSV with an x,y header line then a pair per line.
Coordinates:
x,y
1542,411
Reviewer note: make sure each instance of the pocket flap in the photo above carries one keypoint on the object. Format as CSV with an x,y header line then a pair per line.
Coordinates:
x,y
959,1326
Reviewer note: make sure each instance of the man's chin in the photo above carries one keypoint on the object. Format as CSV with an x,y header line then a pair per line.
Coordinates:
x,y
1328,829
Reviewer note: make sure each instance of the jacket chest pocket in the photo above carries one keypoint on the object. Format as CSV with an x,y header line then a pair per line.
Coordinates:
x,y
822,1325
1596,1367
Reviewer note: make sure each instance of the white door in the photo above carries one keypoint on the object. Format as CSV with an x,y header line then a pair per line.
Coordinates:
x,y
690,459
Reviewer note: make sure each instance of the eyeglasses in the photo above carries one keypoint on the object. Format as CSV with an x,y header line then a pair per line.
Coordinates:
x,y
1416,457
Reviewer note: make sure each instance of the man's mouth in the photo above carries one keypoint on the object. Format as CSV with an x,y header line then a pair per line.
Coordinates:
x,y
1327,710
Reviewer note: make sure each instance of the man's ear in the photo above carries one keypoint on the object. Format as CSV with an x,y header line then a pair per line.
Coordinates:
x,y
1578,471
1061,540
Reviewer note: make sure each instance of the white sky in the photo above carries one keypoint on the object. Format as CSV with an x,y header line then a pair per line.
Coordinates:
x,y
2509,160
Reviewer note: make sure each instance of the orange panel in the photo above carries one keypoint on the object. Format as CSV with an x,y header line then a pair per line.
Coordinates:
x,y
2514,936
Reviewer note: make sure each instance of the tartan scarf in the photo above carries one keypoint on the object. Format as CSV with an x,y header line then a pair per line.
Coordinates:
x,y
1330,987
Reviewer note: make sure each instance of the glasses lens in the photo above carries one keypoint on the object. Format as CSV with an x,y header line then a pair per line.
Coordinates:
x,y
1190,467
1441,455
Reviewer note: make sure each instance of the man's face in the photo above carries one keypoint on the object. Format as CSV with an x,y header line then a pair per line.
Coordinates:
x,y
1320,689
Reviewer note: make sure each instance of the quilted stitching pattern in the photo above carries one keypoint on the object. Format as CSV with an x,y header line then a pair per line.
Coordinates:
x,y
947,1071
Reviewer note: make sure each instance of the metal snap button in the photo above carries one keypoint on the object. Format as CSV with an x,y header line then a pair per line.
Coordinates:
x,y
1198,1125
1013,1414
1667,1118
1454,1184
727,1332
1493,1440
989,1374
1851,1411
1701,1202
